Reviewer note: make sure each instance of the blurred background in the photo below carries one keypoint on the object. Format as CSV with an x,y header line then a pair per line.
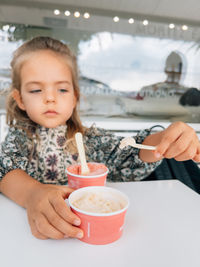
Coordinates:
x,y
139,60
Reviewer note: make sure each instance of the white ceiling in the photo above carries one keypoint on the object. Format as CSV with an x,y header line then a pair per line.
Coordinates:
x,y
182,11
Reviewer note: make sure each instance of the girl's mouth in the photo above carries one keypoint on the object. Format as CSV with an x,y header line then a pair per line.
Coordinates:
x,y
51,112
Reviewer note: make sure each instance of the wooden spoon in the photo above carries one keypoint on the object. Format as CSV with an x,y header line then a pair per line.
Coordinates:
x,y
129,141
81,151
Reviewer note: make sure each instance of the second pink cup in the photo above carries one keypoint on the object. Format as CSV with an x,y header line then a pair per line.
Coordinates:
x,y
100,228
96,177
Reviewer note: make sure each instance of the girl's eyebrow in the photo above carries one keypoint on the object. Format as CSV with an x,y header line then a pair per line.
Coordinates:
x,y
63,82
37,82
32,82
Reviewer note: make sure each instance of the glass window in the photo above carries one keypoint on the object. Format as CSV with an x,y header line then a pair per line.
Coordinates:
x,y
142,76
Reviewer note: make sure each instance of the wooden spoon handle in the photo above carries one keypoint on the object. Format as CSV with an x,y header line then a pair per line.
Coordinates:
x,y
81,152
140,146
129,141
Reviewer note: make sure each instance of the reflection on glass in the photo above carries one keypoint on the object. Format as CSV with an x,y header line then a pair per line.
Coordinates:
x,y
120,75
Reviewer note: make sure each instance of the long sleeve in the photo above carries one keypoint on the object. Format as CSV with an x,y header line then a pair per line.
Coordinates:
x,y
13,152
124,165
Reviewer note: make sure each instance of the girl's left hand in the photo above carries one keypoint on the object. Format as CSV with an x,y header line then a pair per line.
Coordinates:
x,y
179,141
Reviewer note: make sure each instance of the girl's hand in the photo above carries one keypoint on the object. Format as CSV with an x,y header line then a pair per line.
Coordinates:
x,y
178,141
48,214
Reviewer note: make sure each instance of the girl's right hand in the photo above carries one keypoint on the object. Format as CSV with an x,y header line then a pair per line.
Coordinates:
x,y
48,214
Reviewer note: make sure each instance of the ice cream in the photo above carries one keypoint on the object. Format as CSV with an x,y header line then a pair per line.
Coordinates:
x,y
101,210
98,202
95,169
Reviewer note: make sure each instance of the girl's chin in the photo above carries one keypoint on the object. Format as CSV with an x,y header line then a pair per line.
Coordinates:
x,y
51,125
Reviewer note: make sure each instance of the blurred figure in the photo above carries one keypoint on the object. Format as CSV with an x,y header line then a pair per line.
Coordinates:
x,y
162,98
171,86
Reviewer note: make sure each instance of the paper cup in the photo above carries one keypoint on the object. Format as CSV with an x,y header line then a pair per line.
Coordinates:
x,y
75,180
100,228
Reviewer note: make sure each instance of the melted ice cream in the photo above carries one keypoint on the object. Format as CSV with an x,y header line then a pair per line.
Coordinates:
x,y
98,203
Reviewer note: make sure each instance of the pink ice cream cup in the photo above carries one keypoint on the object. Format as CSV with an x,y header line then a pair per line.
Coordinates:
x,y
100,227
96,177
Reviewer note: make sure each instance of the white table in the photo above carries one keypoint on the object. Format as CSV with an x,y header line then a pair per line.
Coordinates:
x,y
162,229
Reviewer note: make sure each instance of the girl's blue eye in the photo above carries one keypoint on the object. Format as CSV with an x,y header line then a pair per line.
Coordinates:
x,y
63,90
35,91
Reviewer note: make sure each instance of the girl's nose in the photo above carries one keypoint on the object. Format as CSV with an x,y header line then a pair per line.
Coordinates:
x,y
50,96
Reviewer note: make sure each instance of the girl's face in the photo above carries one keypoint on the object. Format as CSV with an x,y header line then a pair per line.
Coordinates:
x,y
47,93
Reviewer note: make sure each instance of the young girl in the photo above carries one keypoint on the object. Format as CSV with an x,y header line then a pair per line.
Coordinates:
x,y
42,115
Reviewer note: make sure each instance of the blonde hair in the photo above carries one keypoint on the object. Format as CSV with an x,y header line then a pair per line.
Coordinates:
x,y
19,118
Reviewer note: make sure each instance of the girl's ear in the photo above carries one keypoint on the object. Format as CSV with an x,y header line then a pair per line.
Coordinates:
x,y
17,97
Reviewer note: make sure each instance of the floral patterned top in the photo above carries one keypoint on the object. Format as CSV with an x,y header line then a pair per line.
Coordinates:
x,y
47,160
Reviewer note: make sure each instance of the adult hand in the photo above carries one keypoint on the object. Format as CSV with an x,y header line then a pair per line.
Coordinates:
x,y
48,214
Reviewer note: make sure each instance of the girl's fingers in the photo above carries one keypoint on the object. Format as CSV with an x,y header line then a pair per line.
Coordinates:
x,y
61,225
46,229
51,217
189,153
179,146
169,136
63,210
197,156
175,140
65,190
34,230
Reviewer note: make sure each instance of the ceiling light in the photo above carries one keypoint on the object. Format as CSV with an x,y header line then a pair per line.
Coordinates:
x,y
184,27
145,22
67,13
56,12
131,21
171,26
5,28
77,14
86,15
116,19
